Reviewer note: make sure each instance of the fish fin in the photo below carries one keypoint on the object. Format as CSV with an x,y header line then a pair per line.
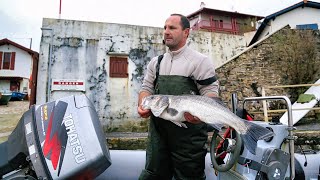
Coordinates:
x,y
217,126
254,133
180,124
172,111
157,112
184,125
162,104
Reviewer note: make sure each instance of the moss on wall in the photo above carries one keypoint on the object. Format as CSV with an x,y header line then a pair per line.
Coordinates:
x,y
129,126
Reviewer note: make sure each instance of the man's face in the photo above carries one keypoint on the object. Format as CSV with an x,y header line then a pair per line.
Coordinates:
x,y
174,36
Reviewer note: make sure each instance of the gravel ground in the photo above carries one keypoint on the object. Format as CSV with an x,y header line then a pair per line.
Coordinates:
x,y
9,117
14,107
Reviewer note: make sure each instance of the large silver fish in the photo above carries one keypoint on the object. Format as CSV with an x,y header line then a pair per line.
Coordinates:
x,y
208,110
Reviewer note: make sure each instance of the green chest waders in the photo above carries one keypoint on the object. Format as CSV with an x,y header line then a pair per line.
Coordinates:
x,y
173,150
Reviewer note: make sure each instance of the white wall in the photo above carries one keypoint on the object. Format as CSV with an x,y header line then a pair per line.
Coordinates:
x,y
295,17
4,85
23,62
81,50
23,67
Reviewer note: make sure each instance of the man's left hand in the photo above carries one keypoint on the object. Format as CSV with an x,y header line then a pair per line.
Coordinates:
x,y
191,119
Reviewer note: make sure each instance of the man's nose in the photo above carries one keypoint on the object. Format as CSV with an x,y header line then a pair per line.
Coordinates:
x,y
166,31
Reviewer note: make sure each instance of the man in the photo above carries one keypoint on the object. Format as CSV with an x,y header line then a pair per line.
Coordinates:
x,y
172,150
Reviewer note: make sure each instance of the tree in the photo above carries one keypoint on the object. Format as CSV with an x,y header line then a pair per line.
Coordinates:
x,y
297,51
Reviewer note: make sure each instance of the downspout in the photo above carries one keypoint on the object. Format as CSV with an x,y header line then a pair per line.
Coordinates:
x,y
49,65
33,82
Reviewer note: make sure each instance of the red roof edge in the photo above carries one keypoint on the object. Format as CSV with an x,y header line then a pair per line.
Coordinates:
x,y
7,41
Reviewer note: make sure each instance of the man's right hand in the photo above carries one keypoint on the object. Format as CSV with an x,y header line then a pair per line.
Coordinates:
x,y
145,113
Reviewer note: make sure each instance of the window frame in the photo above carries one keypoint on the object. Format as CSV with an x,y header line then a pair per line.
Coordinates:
x,y
118,67
9,59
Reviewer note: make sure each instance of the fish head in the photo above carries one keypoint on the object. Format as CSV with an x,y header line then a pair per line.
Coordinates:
x,y
156,103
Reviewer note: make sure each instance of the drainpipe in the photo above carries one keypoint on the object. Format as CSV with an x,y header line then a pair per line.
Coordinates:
x,y
49,65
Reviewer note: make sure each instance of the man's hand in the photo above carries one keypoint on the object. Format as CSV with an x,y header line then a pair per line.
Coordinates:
x,y
191,119
145,113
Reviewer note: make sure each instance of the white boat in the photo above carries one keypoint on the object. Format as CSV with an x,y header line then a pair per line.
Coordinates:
x,y
299,110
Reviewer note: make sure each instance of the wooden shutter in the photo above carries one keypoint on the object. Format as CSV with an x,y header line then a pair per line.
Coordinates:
x,y
1,59
6,60
118,67
12,60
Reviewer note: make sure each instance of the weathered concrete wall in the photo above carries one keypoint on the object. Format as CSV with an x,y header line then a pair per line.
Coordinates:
x,y
81,50
220,47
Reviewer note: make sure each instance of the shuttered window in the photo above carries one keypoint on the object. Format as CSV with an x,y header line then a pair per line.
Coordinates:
x,y
118,67
7,60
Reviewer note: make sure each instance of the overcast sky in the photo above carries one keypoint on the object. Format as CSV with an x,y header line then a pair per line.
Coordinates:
x,y
21,20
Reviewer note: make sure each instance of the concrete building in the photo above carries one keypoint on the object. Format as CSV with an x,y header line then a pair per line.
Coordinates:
x,y
107,62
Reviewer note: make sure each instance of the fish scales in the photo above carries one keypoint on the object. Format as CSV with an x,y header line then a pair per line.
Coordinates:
x,y
208,110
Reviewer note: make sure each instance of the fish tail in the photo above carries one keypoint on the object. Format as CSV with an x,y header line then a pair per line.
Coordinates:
x,y
254,133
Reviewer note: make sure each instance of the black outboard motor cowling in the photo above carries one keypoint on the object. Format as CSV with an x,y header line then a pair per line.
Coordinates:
x,y
62,139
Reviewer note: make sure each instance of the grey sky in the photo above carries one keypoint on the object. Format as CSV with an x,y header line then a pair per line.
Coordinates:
x,y
21,20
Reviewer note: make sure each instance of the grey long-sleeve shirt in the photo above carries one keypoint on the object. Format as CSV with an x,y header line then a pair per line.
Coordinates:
x,y
184,62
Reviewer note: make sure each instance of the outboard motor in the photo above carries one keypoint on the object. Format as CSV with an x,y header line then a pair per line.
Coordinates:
x,y
62,139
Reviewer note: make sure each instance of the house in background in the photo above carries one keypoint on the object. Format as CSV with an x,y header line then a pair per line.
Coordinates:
x,y
18,68
219,21
303,15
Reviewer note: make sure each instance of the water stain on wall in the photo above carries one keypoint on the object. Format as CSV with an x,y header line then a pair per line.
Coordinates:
x,y
70,41
140,59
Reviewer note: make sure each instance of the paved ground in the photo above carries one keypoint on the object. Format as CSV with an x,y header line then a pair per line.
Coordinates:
x,y
9,117
14,107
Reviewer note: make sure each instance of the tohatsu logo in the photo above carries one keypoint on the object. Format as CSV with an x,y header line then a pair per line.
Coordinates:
x,y
60,130
55,134
73,139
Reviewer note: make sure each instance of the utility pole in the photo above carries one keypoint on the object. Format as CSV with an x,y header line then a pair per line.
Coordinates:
x,y
30,43
60,10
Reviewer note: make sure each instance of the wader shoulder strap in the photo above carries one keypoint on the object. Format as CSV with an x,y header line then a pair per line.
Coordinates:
x,y
157,69
207,81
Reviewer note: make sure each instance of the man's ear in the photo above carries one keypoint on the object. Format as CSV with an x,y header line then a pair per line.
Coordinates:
x,y
186,32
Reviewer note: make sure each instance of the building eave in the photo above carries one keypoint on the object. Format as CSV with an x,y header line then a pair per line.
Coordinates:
x,y
6,41
273,16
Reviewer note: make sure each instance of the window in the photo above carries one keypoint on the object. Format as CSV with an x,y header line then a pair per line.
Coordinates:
x,y
118,67
307,26
221,24
7,60
218,23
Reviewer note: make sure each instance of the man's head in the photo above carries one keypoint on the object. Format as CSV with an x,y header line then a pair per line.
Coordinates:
x,y
176,31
